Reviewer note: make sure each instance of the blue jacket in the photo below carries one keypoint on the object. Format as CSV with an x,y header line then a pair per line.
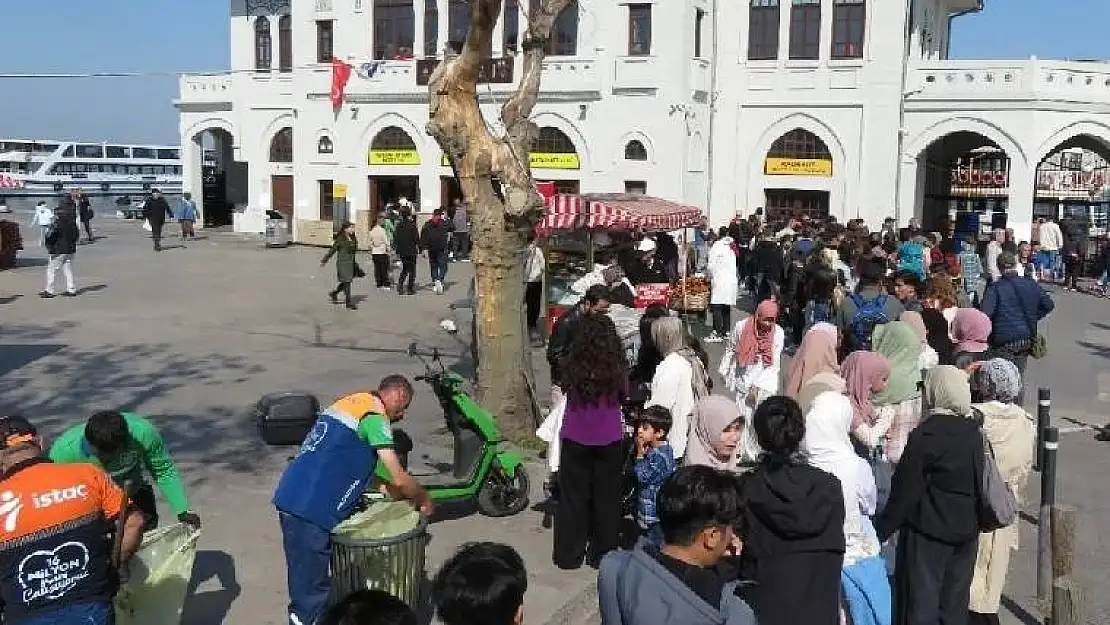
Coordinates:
x,y
651,471
633,588
1015,304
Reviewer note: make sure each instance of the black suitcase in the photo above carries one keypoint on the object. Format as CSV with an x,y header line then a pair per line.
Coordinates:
x,y
286,418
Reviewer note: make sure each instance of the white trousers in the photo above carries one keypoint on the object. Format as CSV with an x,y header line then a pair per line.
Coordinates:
x,y
65,263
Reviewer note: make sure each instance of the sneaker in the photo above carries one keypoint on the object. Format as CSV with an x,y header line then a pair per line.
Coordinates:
x,y
333,297
438,287
352,306
46,295
70,294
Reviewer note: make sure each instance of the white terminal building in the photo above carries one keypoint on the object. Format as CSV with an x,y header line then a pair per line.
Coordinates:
x,y
845,107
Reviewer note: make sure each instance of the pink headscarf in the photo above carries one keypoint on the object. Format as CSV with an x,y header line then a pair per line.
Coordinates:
x,y
861,369
756,343
816,354
971,329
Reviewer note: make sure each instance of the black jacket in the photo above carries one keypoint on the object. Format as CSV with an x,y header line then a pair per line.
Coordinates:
x,y
558,346
793,544
406,240
768,260
434,236
63,234
935,486
156,210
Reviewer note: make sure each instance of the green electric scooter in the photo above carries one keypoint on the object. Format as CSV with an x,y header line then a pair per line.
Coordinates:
x,y
482,472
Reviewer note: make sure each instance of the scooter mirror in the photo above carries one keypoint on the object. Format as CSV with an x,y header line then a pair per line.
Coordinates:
x,y
412,349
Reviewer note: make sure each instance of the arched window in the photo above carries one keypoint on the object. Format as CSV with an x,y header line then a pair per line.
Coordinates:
x,y
799,143
281,146
564,33
263,46
551,140
285,43
849,19
635,151
392,138
325,146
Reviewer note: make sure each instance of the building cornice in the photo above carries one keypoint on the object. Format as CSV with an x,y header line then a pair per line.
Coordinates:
x,y
483,97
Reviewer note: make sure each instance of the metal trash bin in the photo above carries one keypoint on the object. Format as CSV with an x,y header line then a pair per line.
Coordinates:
x,y
277,230
394,564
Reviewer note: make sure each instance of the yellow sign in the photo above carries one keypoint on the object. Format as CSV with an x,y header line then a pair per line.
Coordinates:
x,y
550,160
798,167
394,157
540,160
339,191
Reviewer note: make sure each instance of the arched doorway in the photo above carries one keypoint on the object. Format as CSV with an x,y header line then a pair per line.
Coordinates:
x,y
394,175
212,176
1073,180
966,183
554,158
804,164
281,184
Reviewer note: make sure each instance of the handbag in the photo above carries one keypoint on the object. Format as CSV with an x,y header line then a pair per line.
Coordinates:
x,y
997,505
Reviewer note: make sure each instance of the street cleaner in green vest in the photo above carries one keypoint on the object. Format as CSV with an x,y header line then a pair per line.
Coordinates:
x,y
324,483
124,444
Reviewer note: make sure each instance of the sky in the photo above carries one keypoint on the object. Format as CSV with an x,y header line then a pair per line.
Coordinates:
x,y
161,38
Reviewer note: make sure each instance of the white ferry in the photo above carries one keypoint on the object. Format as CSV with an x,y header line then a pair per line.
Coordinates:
x,y
38,169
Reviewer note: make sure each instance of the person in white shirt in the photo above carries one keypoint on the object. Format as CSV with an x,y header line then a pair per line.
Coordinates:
x,y
751,365
1052,240
994,248
725,286
533,283
680,379
44,216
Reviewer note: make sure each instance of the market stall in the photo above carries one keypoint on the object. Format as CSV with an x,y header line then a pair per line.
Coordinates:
x,y
582,230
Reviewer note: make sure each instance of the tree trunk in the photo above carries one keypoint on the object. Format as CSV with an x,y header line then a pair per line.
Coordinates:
x,y
503,214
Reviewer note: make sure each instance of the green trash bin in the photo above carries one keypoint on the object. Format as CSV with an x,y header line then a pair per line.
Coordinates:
x,y
380,548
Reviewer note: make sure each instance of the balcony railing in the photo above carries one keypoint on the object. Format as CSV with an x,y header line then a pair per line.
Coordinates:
x,y
1004,80
492,71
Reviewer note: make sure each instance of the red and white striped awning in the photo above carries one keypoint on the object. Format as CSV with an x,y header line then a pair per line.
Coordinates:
x,y
10,182
616,211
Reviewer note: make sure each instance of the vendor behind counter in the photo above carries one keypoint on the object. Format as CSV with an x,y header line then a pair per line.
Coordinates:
x,y
645,265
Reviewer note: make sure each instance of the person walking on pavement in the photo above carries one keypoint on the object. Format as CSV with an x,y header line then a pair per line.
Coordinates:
x,y
533,285
155,211
406,241
344,248
187,216
379,253
85,213
434,237
460,236
44,216
61,244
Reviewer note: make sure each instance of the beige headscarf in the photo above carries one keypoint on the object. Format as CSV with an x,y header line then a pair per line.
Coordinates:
x,y
820,383
948,391
712,415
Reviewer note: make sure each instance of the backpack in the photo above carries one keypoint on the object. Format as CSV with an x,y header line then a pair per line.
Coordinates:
x,y
820,312
911,257
869,313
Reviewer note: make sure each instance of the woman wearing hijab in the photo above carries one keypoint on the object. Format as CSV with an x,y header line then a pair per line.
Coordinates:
x,y
680,379
934,508
715,433
828,447
916,322
750,366
1009,428
971,331
901,346
827,382
816,354
794,520
865,374
937,331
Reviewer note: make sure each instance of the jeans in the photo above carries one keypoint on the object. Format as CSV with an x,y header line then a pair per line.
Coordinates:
x,y
65,263
87,613
408,272
156,234
533,301
437,264
307,558
381,269
722,318
460,244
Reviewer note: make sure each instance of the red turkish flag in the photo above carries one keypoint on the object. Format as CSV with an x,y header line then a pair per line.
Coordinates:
x,y
340,74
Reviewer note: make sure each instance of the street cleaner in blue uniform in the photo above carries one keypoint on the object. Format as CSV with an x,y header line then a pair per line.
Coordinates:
x,y
324,482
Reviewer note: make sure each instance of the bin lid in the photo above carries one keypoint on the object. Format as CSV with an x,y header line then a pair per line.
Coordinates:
x,y
384,521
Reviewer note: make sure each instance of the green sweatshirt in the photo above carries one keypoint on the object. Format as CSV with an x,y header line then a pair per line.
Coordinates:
x,y
145,449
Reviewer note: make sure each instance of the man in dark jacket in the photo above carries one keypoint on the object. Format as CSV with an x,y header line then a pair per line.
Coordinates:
x,y
61,244
1073,251
434,238
595,301
406,240
85,214
155,211
1014,304
768,266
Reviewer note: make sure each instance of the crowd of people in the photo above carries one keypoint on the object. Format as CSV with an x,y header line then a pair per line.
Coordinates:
x,y
845,486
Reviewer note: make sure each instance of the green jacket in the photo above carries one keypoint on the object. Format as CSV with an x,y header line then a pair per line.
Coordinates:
x,y
146,449
344,249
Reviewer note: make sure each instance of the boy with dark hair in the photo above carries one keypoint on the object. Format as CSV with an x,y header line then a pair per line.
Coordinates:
x,y
654,464
369,607
482,584
679,582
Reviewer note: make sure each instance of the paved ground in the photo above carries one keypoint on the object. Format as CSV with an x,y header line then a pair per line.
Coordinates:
x,y
193,336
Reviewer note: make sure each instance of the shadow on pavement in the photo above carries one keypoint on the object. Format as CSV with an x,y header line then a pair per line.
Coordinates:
x,y
18,356
1019,612
209,607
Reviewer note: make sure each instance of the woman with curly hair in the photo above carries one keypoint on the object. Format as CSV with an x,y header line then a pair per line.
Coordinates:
x,y
591,458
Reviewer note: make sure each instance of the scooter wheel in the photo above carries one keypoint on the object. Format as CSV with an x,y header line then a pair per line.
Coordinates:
x,y
501,495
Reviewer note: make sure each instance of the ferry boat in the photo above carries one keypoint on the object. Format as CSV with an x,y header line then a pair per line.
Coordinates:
x,y
33,170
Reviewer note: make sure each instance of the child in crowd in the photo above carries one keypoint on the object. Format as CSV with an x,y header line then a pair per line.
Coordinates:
x,y
482,584
680,581
369,607
654,464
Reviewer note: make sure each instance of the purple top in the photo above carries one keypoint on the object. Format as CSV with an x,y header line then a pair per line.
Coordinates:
x,y
600,423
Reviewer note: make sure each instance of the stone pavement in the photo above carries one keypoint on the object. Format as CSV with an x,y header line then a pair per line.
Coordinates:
x,y
192,337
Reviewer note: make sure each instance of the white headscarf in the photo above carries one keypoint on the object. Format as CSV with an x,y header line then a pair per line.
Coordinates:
x,y
828,447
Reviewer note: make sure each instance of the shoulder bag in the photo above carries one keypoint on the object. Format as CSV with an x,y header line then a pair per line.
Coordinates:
x,y
997,505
